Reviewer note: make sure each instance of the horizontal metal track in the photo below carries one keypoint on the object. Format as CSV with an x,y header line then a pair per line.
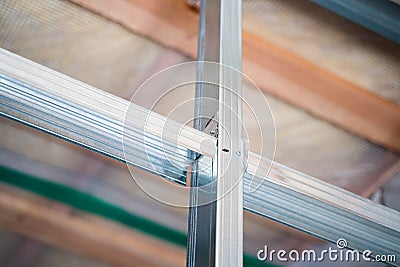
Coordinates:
x,y
59,105
321,209
54,103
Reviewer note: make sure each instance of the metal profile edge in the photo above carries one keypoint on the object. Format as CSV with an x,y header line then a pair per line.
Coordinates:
x,y
82,95
286,195
321,209
230,155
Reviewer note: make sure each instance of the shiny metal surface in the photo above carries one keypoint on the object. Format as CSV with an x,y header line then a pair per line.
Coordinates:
x,y
231,147
74,111
202,217
286,195
321,209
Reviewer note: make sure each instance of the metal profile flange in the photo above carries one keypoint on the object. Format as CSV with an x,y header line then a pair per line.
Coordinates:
x,y
231,161
285,195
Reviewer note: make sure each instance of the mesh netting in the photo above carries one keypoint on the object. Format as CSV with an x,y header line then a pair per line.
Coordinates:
x,y
90,48
65,37
329,41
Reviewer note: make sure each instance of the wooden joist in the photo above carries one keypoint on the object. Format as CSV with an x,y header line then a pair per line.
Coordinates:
x,y
381,180
82,233
322,94
276,71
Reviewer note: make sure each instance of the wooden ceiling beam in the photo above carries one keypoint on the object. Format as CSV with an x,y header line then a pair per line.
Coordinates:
x,y
276,71
381,180
81,233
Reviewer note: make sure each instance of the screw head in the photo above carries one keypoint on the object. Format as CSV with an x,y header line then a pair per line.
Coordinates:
x,y
238,153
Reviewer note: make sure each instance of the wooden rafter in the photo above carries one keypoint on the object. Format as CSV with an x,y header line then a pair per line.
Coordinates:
x,y
276,71
82,233
381,180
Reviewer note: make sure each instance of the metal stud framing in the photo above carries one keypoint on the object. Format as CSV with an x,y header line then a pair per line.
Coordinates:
x,y
229,224
56,104
202,211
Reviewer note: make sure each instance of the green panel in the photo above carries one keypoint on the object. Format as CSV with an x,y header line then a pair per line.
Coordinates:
x,y
90,204
96,206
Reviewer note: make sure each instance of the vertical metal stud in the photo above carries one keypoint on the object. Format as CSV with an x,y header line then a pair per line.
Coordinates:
x,y
229,223
202,211
216,229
